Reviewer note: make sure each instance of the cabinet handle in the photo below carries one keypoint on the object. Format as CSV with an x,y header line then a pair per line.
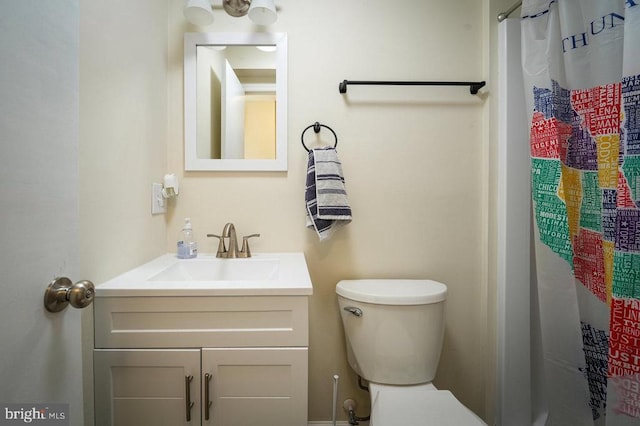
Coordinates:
x,y
207,403
187,389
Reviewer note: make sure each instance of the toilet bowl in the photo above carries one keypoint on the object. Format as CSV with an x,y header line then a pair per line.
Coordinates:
x,y
418,405
394,331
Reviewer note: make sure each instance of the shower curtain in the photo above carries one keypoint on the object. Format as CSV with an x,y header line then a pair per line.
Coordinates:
x,y
581,66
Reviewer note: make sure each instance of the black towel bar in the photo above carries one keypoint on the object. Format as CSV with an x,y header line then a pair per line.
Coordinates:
x,y
474,86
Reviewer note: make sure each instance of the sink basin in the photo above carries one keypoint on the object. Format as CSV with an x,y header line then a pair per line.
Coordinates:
x,y
213,269
206,275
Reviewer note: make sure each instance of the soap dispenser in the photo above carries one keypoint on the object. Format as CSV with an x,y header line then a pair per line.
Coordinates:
x,y
187,246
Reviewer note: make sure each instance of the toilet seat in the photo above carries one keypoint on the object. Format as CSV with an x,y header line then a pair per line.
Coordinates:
x,y
418,406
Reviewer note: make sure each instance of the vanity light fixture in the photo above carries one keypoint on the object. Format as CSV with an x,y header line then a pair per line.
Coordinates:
x,y
198,12
267,48
261,12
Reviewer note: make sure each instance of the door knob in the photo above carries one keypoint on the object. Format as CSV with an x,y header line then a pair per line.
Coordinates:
x,y
62,292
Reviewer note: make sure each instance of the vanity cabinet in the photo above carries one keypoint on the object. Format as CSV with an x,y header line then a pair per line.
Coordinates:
x,y
145,387
201,360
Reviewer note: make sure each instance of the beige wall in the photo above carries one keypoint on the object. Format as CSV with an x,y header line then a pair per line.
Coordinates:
x,y
123,140
415,162
123,132
419,163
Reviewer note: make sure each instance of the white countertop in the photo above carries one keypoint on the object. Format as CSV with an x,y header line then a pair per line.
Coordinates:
x,y
292,279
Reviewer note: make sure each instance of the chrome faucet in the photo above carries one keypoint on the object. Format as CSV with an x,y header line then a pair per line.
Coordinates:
x,y
232,252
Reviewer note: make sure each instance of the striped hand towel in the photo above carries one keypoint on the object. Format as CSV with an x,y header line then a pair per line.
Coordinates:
x,y
325,194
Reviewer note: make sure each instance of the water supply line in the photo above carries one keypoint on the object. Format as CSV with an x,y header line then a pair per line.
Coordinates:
x,y
335,397
350,406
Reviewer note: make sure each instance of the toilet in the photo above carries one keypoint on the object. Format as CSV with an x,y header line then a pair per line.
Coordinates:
x,y
394,330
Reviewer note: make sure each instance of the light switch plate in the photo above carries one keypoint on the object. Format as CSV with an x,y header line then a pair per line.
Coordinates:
x,y
158,203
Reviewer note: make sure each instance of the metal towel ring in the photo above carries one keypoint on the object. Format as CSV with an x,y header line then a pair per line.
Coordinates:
x,y
316,128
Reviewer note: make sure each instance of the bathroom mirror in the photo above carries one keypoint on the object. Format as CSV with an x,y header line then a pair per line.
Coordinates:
x,y
235,101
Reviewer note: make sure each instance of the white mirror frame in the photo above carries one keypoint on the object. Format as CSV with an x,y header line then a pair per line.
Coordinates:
x,y
191,160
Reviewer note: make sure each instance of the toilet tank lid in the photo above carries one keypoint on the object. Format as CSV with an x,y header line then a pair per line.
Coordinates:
x,y
393,292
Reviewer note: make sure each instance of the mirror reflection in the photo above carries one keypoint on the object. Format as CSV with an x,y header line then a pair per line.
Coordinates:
x,y
236,102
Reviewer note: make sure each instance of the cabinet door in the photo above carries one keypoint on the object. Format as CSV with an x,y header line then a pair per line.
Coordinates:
x,y
147,387
256,386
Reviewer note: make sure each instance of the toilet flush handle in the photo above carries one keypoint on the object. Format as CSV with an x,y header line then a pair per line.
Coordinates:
x,y
355,311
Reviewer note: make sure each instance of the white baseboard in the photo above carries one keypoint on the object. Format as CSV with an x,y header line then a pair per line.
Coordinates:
x,y
330,423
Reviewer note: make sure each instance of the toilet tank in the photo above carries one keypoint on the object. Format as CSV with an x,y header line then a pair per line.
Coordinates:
x,y
393,328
